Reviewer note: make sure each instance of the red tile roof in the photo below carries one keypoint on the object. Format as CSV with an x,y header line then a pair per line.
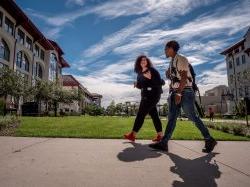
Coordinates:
x,y
69,80
22,19
11,7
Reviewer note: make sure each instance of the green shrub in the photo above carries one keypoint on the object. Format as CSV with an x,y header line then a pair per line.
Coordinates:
x,y
239,130
75,114
210,125
225,129
7,120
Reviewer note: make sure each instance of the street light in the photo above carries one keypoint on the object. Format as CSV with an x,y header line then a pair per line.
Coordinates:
x,y
235,82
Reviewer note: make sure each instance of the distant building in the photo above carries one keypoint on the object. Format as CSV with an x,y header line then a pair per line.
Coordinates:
x,y
217,91
213,99
97,99
237,58
70,83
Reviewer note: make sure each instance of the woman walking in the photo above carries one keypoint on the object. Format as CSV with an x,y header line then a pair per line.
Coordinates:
x,y
150,83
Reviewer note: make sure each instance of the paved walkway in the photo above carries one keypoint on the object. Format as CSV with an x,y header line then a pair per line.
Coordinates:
x,y
231,121
90,162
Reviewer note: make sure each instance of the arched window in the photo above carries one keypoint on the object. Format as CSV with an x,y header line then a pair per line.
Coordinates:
x,y
4,51
38,70
22,61
52,67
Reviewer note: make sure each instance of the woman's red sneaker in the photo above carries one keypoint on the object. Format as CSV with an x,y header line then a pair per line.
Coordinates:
x,y
157,138
130,136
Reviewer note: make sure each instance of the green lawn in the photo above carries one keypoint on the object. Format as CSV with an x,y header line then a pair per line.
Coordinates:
x,y
106,127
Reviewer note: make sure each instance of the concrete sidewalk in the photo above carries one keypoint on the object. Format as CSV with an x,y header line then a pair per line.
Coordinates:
x,y
91,162
230,121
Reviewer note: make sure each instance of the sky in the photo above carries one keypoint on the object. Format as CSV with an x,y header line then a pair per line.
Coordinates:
x,y
102,38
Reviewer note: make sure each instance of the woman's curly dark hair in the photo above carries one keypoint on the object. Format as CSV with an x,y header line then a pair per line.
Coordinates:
x,y
138,68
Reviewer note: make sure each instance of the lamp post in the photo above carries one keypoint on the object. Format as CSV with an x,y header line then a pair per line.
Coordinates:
x,y
235,80
1,49
231,57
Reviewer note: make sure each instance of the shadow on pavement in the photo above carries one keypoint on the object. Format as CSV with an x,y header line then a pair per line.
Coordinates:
x,y
200,171
138,152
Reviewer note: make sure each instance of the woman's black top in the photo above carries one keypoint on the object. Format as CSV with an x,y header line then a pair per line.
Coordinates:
x,y
150,86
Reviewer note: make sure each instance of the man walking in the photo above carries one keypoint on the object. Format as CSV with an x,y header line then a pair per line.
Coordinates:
x,y
181,95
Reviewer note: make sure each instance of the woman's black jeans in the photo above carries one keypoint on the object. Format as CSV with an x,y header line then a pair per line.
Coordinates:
x,y
148,104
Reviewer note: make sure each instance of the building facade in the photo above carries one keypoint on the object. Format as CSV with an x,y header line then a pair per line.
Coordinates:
x,y
71,84
214,99
25,49
237,58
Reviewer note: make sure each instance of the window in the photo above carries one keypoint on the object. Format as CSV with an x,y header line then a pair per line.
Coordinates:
x,y
40,71
28,43
20,36
245,75
1,18
9,26
52,67
237,61
4,51
240,92
37,70
231,79
42,54
239,76
22,61
246,91
230,65
37,51
243,59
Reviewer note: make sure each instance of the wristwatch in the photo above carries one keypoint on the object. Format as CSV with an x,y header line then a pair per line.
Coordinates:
x,y
179,94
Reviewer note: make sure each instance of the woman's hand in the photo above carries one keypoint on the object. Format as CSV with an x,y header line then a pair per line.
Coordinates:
x,y
177,99
135,84
147,75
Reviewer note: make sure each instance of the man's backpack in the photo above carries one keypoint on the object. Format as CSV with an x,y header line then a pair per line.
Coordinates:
x,y
196,89
191,69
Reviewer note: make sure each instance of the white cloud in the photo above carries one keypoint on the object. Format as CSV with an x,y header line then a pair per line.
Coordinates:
x,y
209,79
70,3
161,12
222,22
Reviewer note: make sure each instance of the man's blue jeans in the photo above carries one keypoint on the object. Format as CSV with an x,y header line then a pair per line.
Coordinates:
x,y
188,106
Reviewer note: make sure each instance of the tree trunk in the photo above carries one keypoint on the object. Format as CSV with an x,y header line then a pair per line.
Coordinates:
x,y
17,106
5,106
55,108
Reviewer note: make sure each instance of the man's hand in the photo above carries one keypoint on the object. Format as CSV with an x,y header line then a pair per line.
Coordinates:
x,y
177,99
167,73
147,75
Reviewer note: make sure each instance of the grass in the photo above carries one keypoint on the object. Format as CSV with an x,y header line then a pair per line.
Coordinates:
x,y
106,127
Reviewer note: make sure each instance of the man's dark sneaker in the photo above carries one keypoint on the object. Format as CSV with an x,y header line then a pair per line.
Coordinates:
x,y
209,145
159,146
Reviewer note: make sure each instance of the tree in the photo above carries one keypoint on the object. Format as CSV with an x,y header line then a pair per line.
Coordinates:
x,y
42,91
11,84
94,110
119,108
111,109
